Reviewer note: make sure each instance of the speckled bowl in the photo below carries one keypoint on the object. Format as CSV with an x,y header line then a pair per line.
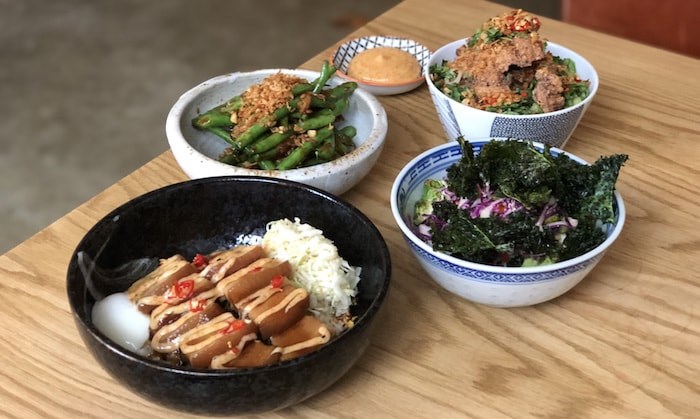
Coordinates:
x,y
344,54
490,285
197,152
202,216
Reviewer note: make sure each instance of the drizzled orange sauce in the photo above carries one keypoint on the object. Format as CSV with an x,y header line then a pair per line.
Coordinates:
x,y
384,65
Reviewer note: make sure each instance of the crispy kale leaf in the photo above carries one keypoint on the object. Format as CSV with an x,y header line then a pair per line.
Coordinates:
x,y
586,191
599,205
538,180
464,177
586,236
518,170
515,168
494,240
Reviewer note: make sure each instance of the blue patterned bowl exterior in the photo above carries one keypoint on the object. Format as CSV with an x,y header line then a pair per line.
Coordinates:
x,y
553,128
490,285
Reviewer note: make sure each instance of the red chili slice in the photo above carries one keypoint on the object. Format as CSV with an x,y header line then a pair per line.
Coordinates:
x,y
536,23
232,327
277,281
181,290
522,26
197,305
510,22
200,260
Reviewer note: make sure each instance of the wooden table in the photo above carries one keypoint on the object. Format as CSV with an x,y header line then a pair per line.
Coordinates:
x,y
625,342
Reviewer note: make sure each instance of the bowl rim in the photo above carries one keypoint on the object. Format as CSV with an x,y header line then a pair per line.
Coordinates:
x,y
578,58
371,311
418,80
374,140
415,240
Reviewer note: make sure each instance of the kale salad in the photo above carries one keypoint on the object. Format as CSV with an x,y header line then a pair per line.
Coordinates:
x,y
514,205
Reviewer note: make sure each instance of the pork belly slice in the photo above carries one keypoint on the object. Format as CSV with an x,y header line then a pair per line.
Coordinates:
x,y
160,279
181,290
306,336
275,307
254,354
246,281
169,326
224,263
223,333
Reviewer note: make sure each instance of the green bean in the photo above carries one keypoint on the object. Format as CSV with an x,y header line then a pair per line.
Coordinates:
x,y
268,155
251,134
341,105
327,71
341,90
349,131
320,119
271,141
317,102
342,149
326,151
343,142
221,133
303,88
212,118
232,105
229,156
299,154
260,127
266,165
263,146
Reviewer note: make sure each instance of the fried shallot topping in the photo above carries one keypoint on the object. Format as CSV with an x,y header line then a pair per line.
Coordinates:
x,y
261,100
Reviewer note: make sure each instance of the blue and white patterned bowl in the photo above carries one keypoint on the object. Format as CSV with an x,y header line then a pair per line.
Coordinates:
x,y
342,56
490,285
553,128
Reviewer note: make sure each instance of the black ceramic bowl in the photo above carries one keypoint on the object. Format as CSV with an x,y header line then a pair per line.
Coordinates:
x,y
203,215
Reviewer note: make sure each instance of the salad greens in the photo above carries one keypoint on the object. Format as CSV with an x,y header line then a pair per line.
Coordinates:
x,y
456,86
512,205
505,67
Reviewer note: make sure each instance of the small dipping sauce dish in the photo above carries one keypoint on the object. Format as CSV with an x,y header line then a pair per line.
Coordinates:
x,y
382,65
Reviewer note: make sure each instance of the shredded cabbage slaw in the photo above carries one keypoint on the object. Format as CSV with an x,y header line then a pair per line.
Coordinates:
x,y
316,266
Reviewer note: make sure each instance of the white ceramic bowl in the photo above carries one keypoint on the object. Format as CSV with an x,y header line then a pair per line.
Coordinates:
x,y
342,56
553,128
197,151
484,284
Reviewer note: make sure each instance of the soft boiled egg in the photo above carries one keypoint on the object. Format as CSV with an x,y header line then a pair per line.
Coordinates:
x,y
120,320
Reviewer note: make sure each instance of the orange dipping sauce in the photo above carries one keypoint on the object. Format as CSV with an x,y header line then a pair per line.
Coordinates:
x,y
384,65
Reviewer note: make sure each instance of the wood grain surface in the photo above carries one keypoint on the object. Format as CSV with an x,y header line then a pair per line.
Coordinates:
x,y
623,343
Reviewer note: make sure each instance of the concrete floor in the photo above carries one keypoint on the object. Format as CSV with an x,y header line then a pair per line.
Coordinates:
x,y
85,86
